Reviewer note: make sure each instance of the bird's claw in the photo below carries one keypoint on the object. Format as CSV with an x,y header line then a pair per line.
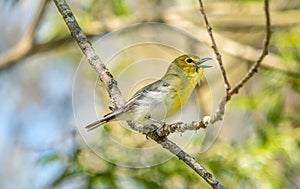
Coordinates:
x,y
158,134
155,120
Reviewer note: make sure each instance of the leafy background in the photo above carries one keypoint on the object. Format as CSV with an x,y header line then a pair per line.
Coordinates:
x,y
258,146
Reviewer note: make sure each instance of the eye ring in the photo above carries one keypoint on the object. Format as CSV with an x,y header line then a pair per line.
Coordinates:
x,y
189,60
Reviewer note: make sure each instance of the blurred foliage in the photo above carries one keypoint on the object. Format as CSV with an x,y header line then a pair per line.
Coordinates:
x,y
119,7
267,157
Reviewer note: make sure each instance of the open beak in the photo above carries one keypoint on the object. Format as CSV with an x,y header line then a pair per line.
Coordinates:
x,y
200,63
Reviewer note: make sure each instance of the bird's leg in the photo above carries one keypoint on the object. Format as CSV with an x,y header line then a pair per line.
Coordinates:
x,y
162,130
155,120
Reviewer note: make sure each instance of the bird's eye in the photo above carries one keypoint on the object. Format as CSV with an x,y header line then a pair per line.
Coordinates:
x,y
189,60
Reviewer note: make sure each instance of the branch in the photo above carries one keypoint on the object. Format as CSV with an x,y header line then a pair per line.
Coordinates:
x,y
181,127
26,43
230,46
245,52
190,161
264,53
86,47
27,46
115,94
214,46
218,115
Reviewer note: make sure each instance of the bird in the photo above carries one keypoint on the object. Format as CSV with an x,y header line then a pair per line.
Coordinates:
x,y
162,98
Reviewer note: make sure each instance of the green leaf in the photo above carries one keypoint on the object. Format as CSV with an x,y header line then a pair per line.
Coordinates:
x,y
276,112
119,7
53,156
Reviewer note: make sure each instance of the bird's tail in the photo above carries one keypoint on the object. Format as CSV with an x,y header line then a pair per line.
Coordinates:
x,y
95,124
105,119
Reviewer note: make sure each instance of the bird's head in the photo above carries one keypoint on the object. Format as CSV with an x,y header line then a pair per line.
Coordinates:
x,y
190,63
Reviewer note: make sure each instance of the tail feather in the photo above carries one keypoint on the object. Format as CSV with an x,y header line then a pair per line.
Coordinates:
x,y
106,118
95,124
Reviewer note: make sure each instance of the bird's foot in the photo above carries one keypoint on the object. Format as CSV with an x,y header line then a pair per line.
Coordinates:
x,y
162,131
155,120
157,134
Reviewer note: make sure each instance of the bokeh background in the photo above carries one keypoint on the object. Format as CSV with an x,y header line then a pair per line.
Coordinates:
x,y
41,143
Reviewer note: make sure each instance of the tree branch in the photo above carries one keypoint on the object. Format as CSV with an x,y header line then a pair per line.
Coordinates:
x,y
86,47
264,53
181,127
190,161
218,115
230,46
26,43
115,94
272,61
214,46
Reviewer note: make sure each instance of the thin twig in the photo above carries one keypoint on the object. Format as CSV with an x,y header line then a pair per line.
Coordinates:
x,y
231,46
214,46
263,54
181,127
218,115
116,97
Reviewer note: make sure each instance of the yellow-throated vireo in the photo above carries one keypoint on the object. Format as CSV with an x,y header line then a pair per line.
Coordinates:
x,y
163,97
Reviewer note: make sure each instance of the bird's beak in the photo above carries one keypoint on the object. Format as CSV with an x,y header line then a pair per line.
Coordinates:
x,y
200,63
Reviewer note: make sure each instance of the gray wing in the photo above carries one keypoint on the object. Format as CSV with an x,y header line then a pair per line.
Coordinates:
x,y
133,101
155,86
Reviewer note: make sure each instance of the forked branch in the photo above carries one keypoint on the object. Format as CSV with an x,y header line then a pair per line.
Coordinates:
x,y
218,115
264,53
117,99
115,94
